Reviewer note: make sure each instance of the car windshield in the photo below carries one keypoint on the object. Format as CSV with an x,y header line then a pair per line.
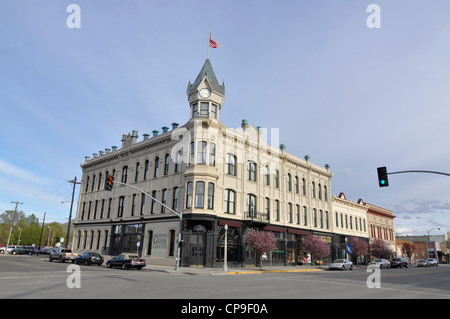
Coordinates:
x,y
133,257
338,261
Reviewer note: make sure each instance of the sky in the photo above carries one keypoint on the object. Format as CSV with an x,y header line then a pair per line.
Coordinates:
x,y
345,94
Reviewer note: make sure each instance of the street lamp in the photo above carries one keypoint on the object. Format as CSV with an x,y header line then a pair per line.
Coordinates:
x,y
225,257
428,231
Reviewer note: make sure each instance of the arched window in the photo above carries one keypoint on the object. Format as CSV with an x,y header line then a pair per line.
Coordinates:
x,y
289,182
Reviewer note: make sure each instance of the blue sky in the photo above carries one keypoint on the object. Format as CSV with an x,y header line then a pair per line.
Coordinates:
x,y
349,96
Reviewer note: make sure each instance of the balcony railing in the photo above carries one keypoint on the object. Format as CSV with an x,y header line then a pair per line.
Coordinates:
x,y
257,216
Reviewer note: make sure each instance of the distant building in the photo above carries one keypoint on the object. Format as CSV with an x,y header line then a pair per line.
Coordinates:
x,y
426,247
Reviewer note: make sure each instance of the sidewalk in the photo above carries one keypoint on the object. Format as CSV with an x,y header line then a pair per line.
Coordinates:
x,y
231,271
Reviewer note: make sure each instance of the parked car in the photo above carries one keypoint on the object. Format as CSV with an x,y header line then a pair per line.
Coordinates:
x,y
399,262
382,263
341,264
89,258
423,263
126,261
8,249
23,250
433,262
63,255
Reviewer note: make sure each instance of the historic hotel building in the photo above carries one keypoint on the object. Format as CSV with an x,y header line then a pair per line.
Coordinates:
x,y
214,176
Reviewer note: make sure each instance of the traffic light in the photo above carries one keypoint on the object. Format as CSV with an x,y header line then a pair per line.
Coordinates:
x,y
382,177
109,182
185,224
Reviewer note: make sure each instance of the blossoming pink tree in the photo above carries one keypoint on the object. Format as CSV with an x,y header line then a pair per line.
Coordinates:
x,y
359,247
261,242
318,248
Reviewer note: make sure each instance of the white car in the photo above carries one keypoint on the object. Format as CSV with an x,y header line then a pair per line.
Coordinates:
x,y
341,264
423,263
433,262
382,263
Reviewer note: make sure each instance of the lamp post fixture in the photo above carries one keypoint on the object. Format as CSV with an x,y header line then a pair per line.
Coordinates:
x,y
225,257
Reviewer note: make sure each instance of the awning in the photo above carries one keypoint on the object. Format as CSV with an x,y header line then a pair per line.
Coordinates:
x,y
231,223
298,231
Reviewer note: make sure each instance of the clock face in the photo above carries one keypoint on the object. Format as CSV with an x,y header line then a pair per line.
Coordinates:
x,y
204,93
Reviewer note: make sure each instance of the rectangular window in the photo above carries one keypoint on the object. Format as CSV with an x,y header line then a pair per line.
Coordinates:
x,y
305,216
212,154
121,204
199,194
142,203
210,195
251,205
213,111
204,109
201,153
175,199
189,191
251,169
231,164
195,110
229,201
164,201
152,209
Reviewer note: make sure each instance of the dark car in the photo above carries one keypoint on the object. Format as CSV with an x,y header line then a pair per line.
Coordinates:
x,y
399,262
89,258
23,250
126,261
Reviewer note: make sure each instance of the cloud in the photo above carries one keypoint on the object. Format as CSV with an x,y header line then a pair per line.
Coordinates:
x,y
19,173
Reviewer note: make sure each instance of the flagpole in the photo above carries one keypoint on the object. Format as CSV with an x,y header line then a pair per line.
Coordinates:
x,y
209,39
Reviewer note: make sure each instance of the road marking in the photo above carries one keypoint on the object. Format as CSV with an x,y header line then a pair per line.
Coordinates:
x,y
364,286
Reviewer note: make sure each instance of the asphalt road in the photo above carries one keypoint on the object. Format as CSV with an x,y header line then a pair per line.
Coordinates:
x,y
35,277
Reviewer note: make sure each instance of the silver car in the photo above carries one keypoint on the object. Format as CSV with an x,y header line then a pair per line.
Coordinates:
x,y
423,263
341,264
433,262
382,263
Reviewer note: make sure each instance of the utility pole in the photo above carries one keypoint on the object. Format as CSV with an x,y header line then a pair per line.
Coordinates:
x,y
40,238
12,223
74,182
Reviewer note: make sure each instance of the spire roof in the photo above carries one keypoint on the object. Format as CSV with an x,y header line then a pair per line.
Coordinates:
x,y
208,72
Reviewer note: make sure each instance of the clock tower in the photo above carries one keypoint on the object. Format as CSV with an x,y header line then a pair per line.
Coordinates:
x,y
205,95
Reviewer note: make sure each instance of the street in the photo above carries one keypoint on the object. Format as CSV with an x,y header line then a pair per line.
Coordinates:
x,y
35,277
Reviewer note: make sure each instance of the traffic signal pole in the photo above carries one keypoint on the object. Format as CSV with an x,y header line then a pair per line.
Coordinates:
x,y
382,174
419,171
179,214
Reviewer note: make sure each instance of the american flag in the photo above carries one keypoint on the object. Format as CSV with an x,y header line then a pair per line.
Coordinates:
x,y
212,43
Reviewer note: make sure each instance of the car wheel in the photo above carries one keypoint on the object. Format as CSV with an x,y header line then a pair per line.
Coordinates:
x,y
76,261
351,267
124,266
108,265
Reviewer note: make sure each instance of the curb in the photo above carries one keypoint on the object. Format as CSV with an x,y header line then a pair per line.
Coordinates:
x,y
269,271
